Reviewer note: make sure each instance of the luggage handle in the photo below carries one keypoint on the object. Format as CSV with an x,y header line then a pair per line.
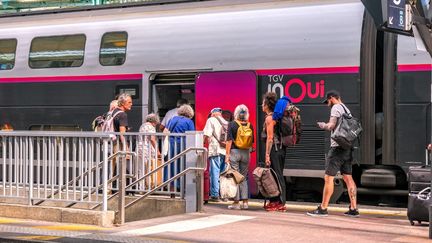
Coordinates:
x,y
423,194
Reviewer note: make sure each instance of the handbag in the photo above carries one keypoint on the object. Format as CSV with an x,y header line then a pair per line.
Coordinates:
x,y
227,186
238,177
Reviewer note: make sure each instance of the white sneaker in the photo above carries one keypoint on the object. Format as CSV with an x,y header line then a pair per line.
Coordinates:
x,y
245,206
235,206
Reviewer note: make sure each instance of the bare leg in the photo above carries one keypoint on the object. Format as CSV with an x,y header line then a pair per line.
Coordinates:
x,y
352,190
328,190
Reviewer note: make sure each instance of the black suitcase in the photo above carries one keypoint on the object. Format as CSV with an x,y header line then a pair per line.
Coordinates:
x,y
419,174
418,206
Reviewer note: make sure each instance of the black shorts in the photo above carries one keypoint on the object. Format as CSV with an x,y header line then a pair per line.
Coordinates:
x,y
339,159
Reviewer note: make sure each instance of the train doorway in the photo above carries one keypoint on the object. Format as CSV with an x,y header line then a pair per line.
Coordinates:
x,y
166,89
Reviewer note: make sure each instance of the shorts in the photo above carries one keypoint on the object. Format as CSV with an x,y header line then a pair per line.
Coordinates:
x,y
338,159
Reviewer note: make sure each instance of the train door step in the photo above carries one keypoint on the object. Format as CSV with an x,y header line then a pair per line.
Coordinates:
x,y
379,178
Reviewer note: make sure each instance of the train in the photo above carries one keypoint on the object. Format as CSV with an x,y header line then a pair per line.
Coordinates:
x,y
59,71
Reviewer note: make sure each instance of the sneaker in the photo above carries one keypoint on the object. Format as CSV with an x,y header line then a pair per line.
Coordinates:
x,y
234,206
269,205
352,213
214,199
245,206
318,212
281,208
273,207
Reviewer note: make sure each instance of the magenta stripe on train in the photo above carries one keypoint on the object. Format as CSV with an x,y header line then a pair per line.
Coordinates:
x,y
414,67
293,71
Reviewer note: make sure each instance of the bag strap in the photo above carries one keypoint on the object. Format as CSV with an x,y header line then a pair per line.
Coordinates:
x,y
175,124
345,109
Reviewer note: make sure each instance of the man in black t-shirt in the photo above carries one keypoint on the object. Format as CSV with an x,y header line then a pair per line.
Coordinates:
x,y
121,120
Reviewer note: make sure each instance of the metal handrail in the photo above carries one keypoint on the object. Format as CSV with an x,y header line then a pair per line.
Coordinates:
x,y
204,150
122,207
170,161
116,154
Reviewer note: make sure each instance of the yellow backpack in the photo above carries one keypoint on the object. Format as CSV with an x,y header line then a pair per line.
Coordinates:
x,y
244,136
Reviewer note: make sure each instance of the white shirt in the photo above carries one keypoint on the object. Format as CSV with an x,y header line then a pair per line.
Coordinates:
x,y
145,148
214,128
170,114
337,111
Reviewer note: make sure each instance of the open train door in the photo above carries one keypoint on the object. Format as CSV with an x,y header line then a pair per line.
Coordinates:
x,y
227,90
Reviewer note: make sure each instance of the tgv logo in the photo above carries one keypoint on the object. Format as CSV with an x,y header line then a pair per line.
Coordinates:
x,y
397,2
311,90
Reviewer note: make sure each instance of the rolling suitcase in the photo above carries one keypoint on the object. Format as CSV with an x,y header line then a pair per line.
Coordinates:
x,y
419,197
418,206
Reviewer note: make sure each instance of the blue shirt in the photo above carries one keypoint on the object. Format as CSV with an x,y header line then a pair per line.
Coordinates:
x,y
179,124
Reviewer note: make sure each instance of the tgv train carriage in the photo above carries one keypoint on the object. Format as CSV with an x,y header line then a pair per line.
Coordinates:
x,y
59,71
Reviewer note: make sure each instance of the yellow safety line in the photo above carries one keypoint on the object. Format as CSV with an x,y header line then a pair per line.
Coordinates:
x,y
72,227
9,221
38,237
306,208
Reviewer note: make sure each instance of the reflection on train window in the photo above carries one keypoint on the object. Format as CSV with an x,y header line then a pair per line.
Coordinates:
x,y
7,53
113,49
57,51
132,90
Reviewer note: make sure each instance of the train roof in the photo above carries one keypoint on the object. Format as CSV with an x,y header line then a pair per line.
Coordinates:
x,y
100,14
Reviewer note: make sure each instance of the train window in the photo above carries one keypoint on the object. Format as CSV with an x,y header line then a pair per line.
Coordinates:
x,y
132,90
113,49
57,51
7,53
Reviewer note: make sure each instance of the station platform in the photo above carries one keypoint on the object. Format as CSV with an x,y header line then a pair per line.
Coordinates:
x,y
218,224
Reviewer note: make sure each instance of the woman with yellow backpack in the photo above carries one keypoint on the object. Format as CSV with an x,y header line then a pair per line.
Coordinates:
x,y
238,148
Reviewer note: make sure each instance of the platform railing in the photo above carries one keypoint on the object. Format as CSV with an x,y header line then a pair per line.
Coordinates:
x,y
69,168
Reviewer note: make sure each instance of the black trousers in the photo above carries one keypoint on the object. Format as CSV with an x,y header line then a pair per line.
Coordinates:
x,y
277,158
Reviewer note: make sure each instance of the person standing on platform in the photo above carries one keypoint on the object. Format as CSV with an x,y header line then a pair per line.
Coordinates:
x,y
173,112
215,131
238,148
338,159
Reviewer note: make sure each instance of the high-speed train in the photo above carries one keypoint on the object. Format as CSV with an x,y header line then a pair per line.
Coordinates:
x,y
59,71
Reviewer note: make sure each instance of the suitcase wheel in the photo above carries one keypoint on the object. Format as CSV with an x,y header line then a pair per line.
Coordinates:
x,y
412,222
419,221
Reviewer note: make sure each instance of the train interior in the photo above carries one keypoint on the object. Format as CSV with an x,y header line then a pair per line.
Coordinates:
x,y
168,88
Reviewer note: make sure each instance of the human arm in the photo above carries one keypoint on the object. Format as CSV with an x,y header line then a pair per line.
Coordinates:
x,y
269,125
330,125
228,151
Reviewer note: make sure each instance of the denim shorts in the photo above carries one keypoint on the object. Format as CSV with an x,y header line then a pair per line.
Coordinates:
x,y
338,159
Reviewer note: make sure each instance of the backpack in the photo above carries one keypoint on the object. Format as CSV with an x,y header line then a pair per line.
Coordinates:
x,y
267,182
223,136
244,137
108,124
97,123
290,126
347,130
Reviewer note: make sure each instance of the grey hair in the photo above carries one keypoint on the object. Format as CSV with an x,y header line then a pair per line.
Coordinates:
x,y
152,117
122,98
186,110
238,113
113,105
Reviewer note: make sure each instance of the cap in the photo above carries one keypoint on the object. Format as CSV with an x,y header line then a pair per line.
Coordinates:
x,y
329,94
217,109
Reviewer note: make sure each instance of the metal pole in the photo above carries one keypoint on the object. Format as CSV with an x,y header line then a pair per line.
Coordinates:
x,y
122,190
30,193
105,176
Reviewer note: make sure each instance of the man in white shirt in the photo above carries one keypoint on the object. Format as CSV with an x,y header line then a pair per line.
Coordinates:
x,y
215,132
173,112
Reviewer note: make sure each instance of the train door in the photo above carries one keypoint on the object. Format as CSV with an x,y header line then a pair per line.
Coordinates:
x,y
227,90
166,89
